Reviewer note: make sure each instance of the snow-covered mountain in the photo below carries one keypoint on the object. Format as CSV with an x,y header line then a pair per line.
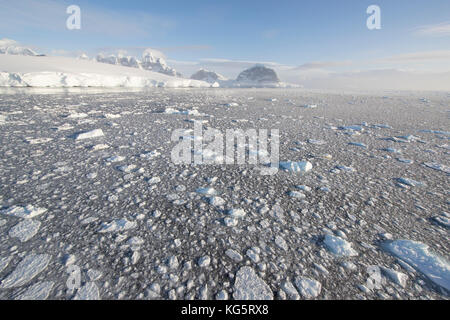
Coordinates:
x,y
208,76
149,62
32,71
8,46
258,74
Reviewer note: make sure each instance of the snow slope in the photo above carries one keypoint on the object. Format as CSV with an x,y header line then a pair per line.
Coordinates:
x,y
208,76
30,71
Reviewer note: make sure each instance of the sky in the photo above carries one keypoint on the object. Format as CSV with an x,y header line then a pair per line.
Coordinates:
x,y
295,37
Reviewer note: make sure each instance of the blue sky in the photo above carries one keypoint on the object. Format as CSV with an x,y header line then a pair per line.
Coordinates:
x,y
291,33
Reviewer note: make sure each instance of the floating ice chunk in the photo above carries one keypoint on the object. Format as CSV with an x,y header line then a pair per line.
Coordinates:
x,y
206,191
127,168
204,261
234,255
296,194
38,140
352,128
115,159
304,188
236,213
38,291
99,147
94,275
117,226
25,230
317,142
290,290
75,115
253,254
27,212
4,261
89,291
296,167
248,286
281,243
230,221
419,256
26,270
437,166
308,288
96,133
135,241
150,155
154,180
339,246
345,168
64,127
407,161
382,126
410,182
193,112
445,133
2,119
111,116
358,144
232,104
398,277
216,201
443,219
391,150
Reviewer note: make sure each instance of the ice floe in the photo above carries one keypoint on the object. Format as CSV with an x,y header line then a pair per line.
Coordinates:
x,y
248,286
339,246
437,167
89,291
296,167
26,212
443,219
25,230
308,288
118,226
38,291
96,133
410,182
26,270
420,257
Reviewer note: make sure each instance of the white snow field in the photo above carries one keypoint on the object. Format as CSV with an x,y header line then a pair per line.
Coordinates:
x,y
37,71
88,185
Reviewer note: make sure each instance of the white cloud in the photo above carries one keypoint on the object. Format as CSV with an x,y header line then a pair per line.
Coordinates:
x,y
7,42
440,29
424,56
323,65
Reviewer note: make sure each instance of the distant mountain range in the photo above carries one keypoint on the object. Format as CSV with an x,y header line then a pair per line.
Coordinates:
x,y
148,62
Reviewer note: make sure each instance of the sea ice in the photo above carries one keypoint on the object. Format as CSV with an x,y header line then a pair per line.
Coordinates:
x,y
438,167
26,212
25,230
26,270
308,288
117,226
248,286
89,291
420,257
89,134
38,291
410,182
339,246
296,167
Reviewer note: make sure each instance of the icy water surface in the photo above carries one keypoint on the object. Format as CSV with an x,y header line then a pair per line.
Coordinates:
x,y
92,205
